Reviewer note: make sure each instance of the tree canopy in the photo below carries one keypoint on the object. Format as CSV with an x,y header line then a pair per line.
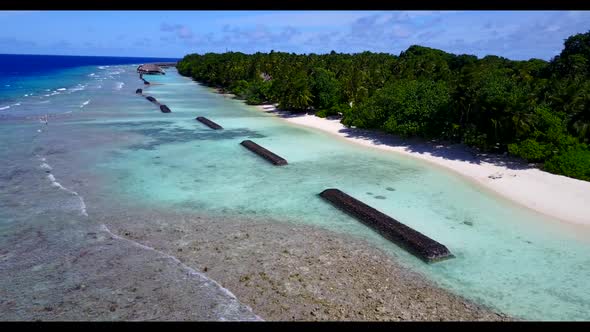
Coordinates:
x,y
537,110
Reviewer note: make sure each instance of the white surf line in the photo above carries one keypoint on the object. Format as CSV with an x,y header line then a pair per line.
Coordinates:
x,y
85,103
46,166
191,271
78,87
54,183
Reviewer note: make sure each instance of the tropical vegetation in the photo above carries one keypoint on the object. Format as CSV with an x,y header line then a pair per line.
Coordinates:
x,y
536,110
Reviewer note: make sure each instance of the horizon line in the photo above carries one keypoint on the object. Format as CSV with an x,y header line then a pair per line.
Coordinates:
x,y
95,56
278,51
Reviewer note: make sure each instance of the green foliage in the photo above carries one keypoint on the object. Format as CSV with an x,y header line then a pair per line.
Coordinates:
x,y
574,163
475,138
531,150
295,94
424,62
258,92
322,113
240,88
325,89
336,110
405,107
534,109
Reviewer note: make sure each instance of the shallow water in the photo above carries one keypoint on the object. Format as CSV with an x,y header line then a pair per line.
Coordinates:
x,y
59,262
120,154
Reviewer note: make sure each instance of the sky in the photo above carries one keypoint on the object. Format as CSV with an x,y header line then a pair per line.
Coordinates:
x,y
518,35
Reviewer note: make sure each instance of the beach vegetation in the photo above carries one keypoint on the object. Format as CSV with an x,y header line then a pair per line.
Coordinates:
x,y
536,110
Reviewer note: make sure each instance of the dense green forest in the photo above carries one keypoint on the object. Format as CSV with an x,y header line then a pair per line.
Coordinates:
x,y
537,110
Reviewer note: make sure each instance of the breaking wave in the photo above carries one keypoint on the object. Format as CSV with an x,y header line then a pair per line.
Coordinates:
x,y
78,87
44,165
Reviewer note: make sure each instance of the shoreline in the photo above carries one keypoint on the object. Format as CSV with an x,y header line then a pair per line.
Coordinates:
x,y
551,195
289,272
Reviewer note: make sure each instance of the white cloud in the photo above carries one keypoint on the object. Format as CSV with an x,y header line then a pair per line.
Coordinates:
x,y
300,19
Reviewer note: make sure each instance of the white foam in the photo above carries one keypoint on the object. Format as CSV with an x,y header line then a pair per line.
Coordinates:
x,y
58,185
61,89
26,95
46,166
85,103
4,108
17,104
78,87
190,270
93,74
119,85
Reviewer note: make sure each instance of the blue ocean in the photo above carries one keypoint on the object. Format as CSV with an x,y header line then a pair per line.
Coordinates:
x,y
82,153
28,78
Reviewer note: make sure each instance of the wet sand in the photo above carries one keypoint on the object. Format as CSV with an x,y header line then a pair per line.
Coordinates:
x,y
78,271
293,272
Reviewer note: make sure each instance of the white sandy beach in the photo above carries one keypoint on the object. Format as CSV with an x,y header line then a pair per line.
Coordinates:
x,y
557,196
